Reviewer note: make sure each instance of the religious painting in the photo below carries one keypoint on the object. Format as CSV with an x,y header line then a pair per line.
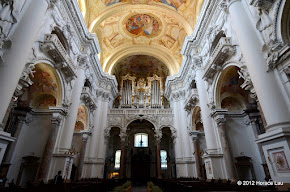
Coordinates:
x,y
44,91
44,101
82,116
111,2
231,104
79,126
142,25
44,80
281,162
173,3
232,83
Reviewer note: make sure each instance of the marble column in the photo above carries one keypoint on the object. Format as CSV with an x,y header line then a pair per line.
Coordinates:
x,y
122,158
267,87
68,129
16,57
209,129
194,136
158,141
85,137
229,161
56,122
95,132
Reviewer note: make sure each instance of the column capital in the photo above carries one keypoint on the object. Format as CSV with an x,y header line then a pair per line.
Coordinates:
x,y
262,4
58,114
219,116
83,61
195,135
225,4
123,136
196,62
158,136
85,135
220,121
56,118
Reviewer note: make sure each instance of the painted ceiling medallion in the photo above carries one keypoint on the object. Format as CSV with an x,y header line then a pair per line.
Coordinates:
x,y
142,25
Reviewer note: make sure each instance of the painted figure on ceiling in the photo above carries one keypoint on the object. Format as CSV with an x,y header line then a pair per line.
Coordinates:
x,y
173,3
111,2
142,25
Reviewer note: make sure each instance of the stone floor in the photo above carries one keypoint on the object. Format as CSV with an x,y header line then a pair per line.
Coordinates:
x,y
139,189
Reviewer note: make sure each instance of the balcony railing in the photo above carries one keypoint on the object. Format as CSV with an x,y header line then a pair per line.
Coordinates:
x,y
56,50
223,50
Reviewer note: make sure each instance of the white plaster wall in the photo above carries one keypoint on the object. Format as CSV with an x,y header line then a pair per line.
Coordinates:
x,y
242,142
31,142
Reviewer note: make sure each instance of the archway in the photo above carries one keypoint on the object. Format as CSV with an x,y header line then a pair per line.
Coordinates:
x,y
141,156
35,104
78,143
237,105
167,154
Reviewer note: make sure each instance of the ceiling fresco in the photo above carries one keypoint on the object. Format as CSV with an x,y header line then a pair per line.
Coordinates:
x,y
155,28
141,66
142,25
173,3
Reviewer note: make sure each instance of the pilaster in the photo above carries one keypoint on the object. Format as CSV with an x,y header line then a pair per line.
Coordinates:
x,y
220,118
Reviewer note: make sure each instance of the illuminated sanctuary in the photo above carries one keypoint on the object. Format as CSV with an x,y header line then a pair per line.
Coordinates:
x,y
143,89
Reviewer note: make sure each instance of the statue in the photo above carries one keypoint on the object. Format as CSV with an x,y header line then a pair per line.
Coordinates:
x,y
8,16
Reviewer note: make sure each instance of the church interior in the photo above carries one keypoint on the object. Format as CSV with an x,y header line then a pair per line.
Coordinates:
x,y
187,95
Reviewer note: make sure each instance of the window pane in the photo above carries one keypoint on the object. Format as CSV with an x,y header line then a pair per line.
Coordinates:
x,y
141,140
163,155
117,159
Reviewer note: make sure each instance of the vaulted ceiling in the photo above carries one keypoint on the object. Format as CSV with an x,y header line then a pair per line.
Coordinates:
x,y
155,28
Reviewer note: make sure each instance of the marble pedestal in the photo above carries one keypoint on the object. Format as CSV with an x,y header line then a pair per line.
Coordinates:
x,y
276,148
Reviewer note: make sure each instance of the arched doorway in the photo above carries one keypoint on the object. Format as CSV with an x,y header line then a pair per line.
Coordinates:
x,y
141,157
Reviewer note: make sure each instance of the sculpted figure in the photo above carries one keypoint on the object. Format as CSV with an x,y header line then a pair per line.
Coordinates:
x,y
8,16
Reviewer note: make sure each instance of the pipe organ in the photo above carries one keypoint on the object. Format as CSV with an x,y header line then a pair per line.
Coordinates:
x,y
141,94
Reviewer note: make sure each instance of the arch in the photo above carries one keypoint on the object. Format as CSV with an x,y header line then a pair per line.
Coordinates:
x,y
142,119
232,104
196,119
158,52
43,101
58,73
83,116
79,126
282,17
228,85
110,11
46,89
285,23
82,5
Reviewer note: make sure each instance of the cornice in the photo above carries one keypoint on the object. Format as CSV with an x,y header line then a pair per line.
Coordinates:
x,y
90,47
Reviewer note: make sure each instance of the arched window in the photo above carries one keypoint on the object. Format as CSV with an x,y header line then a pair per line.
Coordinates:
x,y
141,140
163,155
117,159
